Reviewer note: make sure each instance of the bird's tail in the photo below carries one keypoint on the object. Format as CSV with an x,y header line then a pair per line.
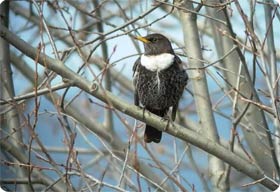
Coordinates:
x,y
151,133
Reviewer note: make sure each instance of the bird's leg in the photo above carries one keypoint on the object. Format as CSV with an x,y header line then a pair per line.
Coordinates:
x,y
169,120
144,109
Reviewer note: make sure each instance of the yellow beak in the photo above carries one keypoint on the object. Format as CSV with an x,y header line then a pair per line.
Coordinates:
x,y
143,39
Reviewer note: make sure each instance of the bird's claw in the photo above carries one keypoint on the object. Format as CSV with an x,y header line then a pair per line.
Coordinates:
x,y
168,119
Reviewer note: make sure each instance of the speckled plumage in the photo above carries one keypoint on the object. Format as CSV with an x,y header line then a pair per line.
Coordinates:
x,y
157,91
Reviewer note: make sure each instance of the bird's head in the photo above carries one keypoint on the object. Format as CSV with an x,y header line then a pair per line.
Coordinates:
x,y
155,44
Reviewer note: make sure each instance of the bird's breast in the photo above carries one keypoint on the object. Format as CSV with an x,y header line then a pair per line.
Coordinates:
x,y
157,62
160,89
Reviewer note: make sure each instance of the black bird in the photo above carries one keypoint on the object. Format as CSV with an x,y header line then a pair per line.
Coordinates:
x,y
159,80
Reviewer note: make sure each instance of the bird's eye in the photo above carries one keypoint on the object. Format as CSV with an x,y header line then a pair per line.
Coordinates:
x,y
154,40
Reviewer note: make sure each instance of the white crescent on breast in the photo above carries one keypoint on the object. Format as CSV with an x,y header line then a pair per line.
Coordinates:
x,y
157,62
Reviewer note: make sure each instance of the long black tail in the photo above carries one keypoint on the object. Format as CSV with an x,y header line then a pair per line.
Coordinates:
x,y
151,133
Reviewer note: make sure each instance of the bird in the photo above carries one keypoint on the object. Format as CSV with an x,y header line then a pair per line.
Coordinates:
x,y
159,80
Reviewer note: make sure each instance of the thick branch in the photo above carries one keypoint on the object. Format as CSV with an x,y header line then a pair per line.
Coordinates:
x,y
201,91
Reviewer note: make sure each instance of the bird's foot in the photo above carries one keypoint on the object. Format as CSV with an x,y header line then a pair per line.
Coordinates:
x,y
166,118
144,109
169,121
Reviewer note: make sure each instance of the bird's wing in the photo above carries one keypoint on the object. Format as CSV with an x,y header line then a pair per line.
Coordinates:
x,y
174,111
135,66
135,79
179,64
178,60
136,98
